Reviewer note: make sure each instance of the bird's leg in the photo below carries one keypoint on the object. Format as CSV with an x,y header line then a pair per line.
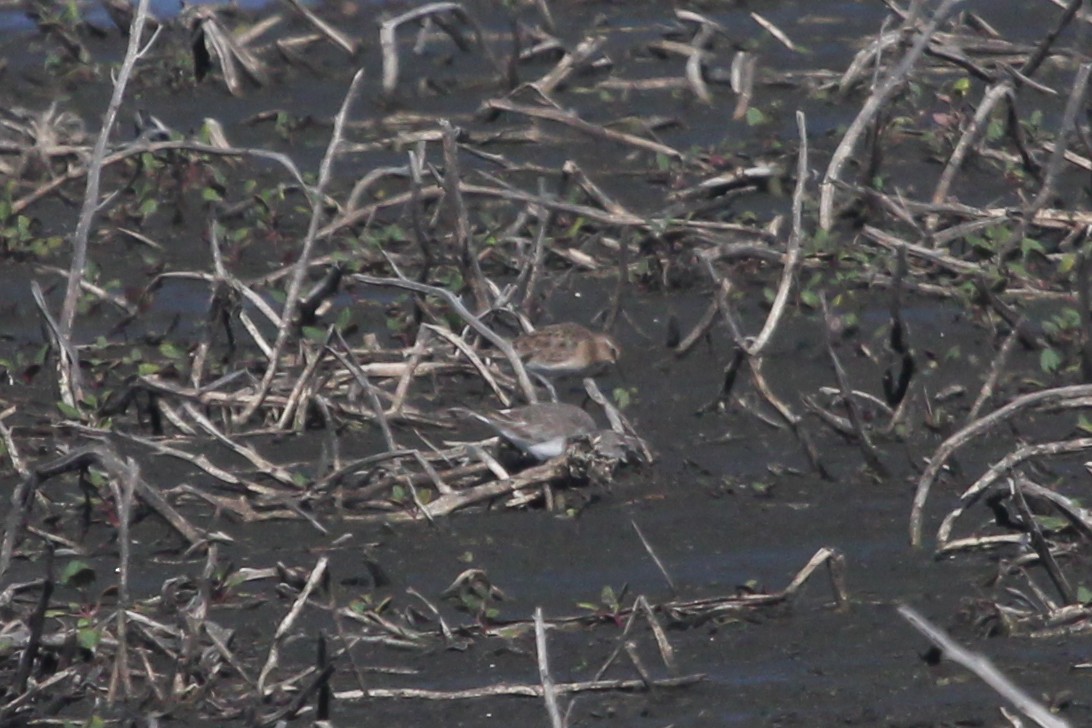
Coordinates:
x,y
549,386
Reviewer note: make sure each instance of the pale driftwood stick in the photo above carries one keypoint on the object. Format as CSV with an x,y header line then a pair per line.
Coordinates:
x,y
204,344
704,325
1000,364
776,32
549,692
1084,306
388,40
1081,518
229,50
116,300
707,607
743,82
317,574
861,62
618,421
152,147
1074,104
464,239
1001,89
447,504
929,255
967,141
104,457
475,360
434,192
655,558
10,448
638,664
571,171
346,43
631,620
516,689
295,285
568,64
1041,399
572,120
68,359
694,66
791,419
1014,458
345,356
1040,545
264,465
201,462
667,652
295,398
868,450
984,669
530,274
792,254
122,491
420,347
879,98
94,171
470,319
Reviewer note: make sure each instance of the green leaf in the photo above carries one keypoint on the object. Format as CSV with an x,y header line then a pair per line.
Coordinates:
x,y
755,117
1051,523
68,411
1084,594
77,573
316,334
1028,245
171,351
622,397
344,318
88,638
1050,360
147,369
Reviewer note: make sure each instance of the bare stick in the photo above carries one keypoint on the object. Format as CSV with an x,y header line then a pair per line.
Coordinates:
x,y
1000,364
94,171
290,619
471,320
879,98
68,360
1057,157
984,669
123,499
291,303
655,558
549,692
468,258
871,456
1043,398
792,255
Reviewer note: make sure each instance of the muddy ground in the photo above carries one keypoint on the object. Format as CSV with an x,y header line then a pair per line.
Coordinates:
x,y
731,506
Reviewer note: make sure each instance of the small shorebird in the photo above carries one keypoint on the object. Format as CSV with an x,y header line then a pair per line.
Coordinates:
x,y
541,430
565,349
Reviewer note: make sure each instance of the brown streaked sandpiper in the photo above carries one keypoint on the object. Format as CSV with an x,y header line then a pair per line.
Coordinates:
x,y
565,349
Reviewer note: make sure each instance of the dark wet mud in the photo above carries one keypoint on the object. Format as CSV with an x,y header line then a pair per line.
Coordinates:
x,y
733,507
